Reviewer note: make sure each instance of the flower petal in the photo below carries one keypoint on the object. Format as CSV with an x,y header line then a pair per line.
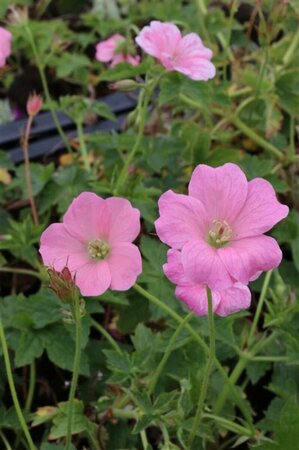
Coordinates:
x,y
202,264
124,220
174,269
195,297
260,212
222,190
193,58
59,249
159,39
233,299
182,219
244,258
93,278
125,265
87,217
105,50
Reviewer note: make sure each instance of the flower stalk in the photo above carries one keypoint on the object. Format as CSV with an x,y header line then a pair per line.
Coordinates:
x,y
13,389
207,372
76,311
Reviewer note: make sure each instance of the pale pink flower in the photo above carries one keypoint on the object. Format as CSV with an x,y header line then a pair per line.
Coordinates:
x,y
226,301
219,226
95,243
112,51
185,54
5,45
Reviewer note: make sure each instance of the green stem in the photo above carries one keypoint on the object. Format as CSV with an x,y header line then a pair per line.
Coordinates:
x,y
144,440
259,307
291,50
77,319
32,379
207,372
146,95
292,148
105,333
46,89
203,345
5,441
83,148
270,359
167,353
13,389
256,138
22,272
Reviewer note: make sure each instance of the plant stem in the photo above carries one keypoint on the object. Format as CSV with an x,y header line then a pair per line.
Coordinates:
x,y
83,149
292,149
167,353
207,372
142,119
259,306
5,441
76,368
105,333
25,147
291,50
204,346
144,440
270,359
13,389
22,272
32,379
46,89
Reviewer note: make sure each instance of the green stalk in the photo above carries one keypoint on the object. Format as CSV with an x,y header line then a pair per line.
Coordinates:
x,y
5,441
83,148
291,50
32,379
46,89
105,333
204,346
146,95
76,367
259,306
13,389
21,271
207,372
153,382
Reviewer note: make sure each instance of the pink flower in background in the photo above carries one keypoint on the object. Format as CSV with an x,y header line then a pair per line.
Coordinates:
x,y
220,226
5,45
112,51
225,302
95,243
185,54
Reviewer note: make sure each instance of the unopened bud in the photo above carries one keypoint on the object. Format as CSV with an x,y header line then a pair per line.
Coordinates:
x,y
34,104
63,284
125,85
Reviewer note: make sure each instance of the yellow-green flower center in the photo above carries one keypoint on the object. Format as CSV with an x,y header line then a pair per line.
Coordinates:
x,y
98,249
220,233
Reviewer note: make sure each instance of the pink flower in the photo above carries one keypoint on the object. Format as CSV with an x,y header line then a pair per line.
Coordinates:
x,y
112,51
225,302
185,54
5,45
34,104
95,243
220,226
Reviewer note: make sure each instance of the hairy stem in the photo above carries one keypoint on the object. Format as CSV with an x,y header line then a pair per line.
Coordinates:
x,y
13,389
105,333
207,372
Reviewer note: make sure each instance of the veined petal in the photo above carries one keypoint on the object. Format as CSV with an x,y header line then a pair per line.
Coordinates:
x,y
203,265
233,299
124,220
222,190
195,298
244,258
93,278
125,265
260,212
182,219
159,38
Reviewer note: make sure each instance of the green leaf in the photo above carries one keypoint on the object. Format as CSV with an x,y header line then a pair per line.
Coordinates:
x,y
30,347
79,421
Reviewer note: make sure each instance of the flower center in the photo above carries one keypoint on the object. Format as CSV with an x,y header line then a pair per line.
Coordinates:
x,y
98,249
220,233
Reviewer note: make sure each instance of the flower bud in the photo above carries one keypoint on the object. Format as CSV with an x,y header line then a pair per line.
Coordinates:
x,y
63,284
34,104
125,85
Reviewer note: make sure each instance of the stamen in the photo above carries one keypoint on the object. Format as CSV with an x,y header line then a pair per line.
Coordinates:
x,y
220,233
98,249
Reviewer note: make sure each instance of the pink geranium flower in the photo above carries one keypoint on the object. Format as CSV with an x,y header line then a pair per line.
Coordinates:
x,y
112,51
5,45
220,226
185,54
226,301
95,243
